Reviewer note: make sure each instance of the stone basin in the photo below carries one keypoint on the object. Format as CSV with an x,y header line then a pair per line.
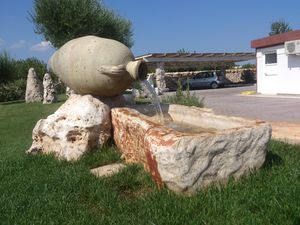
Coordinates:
x,y
203,148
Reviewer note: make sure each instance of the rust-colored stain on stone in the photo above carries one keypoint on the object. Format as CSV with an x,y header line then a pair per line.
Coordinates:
x,y
152,164
135,135
163,136
128,135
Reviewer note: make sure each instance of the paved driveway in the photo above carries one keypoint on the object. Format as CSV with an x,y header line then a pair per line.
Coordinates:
x,y
229,101
283,112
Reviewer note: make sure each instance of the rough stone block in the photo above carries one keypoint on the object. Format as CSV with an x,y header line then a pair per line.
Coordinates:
x,y
212,149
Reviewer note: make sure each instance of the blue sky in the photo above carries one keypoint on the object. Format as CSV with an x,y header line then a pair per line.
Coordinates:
x,y
163,25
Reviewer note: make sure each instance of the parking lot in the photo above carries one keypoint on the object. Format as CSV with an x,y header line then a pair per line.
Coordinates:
x,y
230,101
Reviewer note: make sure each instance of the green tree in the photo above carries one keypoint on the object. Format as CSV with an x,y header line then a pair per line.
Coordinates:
x,y
7,68
13,75
182,50
11,69
248,66
61,21
278,27
22,67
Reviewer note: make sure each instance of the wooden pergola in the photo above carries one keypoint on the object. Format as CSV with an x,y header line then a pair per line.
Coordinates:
x,y
160,60
196,57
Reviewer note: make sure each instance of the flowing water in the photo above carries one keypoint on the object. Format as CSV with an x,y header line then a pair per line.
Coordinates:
x,y
181,127
147,87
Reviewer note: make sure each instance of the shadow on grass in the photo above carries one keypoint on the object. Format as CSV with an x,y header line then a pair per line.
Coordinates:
x,y
131,183
12,102
23,101
61,100
272,159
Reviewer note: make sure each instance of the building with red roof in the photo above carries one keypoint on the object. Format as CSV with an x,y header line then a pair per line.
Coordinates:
x,y
278,63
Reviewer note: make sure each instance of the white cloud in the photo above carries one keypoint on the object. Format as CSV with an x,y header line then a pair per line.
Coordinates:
x,y
19,44
2,42
41,47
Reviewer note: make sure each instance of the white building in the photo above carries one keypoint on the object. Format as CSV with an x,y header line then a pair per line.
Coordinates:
x,y
278,63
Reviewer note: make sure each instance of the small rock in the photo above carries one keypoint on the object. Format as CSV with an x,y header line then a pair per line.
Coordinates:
x,y
33,88
108,170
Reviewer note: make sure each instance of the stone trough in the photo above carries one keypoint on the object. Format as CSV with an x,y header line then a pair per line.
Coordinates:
x,y
194,147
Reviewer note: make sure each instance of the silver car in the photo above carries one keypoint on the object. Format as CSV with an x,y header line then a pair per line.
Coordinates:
x,y
204,79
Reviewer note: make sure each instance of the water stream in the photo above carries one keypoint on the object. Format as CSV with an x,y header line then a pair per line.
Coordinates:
x,y
149,89
168,122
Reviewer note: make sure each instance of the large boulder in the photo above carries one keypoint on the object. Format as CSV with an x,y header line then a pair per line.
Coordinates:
x,y
79,125
34,90
188,159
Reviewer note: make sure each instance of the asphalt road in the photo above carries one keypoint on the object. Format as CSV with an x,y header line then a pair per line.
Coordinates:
x,y
229,101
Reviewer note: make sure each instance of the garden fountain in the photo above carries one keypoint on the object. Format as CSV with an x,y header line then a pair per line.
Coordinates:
x,y
192,148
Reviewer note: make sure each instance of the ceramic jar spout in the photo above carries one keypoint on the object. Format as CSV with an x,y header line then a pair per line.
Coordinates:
x,y
137,69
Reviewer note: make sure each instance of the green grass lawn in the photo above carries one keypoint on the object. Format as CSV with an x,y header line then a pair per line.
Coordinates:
x,y
42,190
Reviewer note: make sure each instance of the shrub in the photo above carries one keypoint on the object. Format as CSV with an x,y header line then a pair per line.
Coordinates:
x,y
248,76
14,90
184,98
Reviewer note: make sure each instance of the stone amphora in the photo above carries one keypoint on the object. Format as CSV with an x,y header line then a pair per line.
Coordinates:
x,y
96,66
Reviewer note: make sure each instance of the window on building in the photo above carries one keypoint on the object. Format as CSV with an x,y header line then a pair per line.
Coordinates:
x,y
271,58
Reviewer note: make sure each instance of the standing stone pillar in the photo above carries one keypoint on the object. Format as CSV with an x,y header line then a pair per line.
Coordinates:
x,y
160,78
49,90
33,88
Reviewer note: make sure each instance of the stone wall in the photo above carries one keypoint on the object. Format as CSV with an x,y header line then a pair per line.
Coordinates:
x,y
232,76
171,78
241,76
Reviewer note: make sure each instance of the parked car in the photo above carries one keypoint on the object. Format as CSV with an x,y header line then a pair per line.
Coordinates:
x,y
213,79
